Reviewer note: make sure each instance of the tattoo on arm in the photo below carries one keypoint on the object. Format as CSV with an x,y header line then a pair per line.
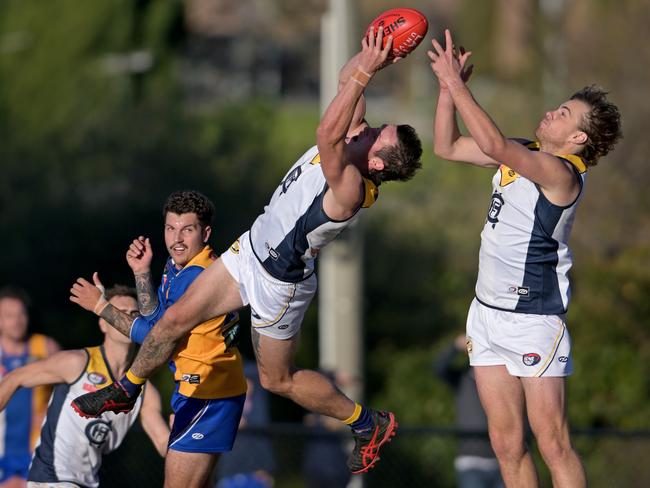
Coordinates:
x,y
153,353
118,319
147,297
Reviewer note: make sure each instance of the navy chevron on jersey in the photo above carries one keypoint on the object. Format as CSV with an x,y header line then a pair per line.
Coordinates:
x,y
287,237
71,447
524,259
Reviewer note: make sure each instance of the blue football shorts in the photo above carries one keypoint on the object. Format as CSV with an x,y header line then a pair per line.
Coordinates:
x,y
205,425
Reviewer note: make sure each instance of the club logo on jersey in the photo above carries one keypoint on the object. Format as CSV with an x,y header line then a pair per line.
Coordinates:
x,y
469,345
495,208
293,175
508,175
97,432
192,379
531,358
96,378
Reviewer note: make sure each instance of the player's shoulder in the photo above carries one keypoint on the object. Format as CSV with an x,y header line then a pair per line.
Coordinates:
x,y
71,363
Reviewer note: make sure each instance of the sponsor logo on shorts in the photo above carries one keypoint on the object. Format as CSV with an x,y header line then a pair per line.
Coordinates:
x,y
97,432
96,378
192,379
531,358
522,291
469,345
563,359
197,436
283,326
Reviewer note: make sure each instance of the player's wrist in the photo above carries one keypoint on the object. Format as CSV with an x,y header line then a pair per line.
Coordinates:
x,y
141,272
361,76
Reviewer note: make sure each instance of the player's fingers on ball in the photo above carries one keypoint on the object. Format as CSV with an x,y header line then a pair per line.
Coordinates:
x,y
389,44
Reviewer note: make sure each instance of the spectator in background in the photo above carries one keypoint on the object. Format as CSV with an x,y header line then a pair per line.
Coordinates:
x,y
476,465
325,454
20,422
251,462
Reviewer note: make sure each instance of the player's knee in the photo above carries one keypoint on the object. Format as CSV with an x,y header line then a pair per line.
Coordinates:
x,y
277,383
554,448
508,446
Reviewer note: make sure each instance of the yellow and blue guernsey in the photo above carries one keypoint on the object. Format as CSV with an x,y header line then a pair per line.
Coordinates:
x,y
20,422
525,259
203,364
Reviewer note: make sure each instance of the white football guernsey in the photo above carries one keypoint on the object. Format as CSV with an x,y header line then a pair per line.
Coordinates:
x,y
287,237
524,258
71,447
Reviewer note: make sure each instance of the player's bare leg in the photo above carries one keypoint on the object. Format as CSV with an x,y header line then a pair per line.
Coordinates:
x,y
189,469
502,397
546,404
214,292
318,394
309,389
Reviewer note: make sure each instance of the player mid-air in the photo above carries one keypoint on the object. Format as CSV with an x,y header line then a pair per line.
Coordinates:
x,y
271,267
517,338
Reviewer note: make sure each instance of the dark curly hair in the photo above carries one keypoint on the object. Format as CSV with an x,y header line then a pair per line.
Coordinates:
x,y
602,123
120,291
402,160
190,201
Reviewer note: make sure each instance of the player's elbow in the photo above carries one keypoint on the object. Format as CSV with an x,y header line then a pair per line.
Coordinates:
x,y
178,322
494,147
442,151
325,135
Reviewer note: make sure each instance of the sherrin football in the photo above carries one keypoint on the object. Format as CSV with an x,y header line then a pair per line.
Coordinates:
x,y
407,26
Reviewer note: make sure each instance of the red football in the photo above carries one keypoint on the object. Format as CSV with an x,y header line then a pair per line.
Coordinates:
x,y
407,26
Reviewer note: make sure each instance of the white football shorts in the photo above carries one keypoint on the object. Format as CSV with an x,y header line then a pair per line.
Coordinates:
x,y
277,307
528,345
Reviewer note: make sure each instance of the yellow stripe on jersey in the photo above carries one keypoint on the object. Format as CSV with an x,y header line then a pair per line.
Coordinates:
x,y
371,193
37,347
576,161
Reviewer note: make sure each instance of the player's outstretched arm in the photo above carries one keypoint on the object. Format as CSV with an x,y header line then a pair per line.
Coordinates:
x,y
139,257
344,179
62,367
548,171
152,419
91,297
448,143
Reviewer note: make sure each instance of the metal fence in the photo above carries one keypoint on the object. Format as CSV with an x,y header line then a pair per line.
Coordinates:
x,y
419,457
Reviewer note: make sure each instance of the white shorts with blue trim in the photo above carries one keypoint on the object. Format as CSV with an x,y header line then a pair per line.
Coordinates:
x,y
277,307
528,345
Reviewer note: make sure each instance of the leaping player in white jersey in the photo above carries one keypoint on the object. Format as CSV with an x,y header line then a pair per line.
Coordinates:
x,y
272,266
70,449
516,335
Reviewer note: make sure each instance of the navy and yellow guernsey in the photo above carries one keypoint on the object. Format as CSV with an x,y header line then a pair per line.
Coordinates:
x,y
203,365
71,447
287,237
525,258
20,422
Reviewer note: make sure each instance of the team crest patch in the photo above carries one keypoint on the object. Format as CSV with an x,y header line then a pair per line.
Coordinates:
x,y
531,358
495,208
96,378
98,431
508,175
